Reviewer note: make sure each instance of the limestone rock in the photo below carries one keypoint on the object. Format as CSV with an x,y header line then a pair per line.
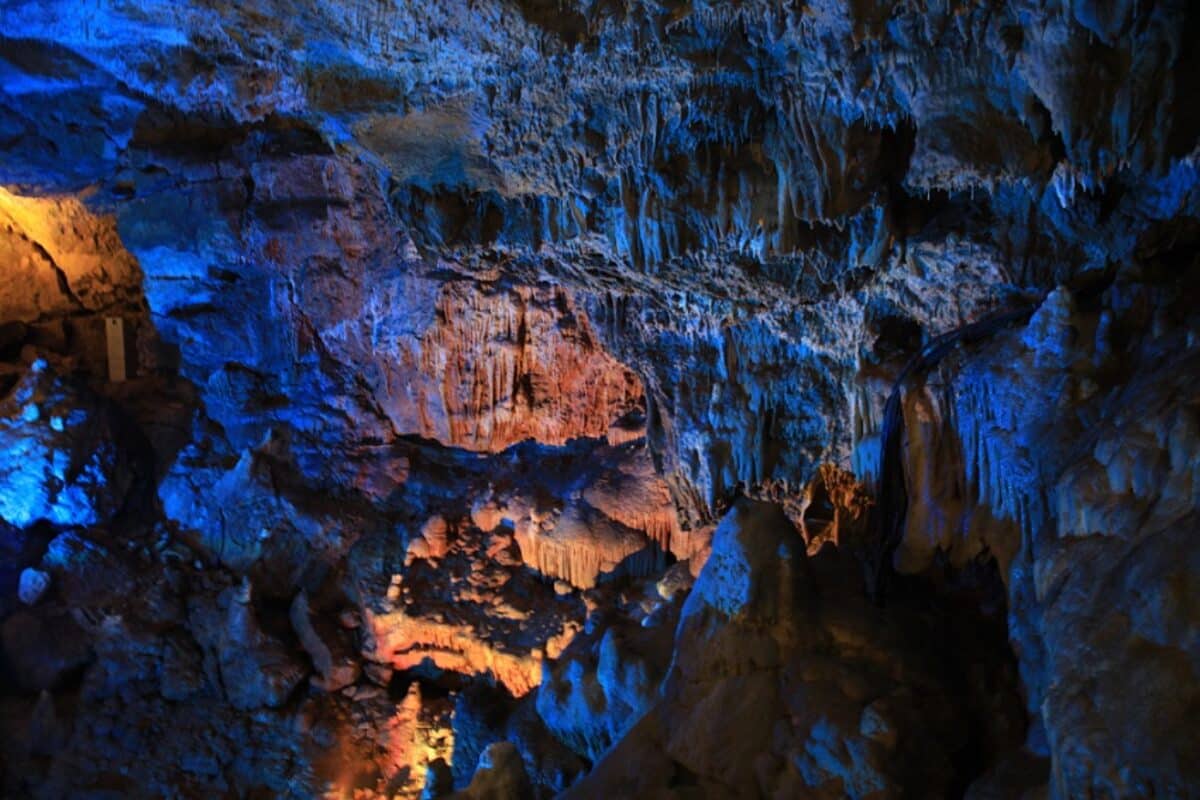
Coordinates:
x,y
610,674
63,458
500,775
33,584
582,547
418,737
1030,469
86,573
67,269
256,669
495,369
464,331
335,665
782,682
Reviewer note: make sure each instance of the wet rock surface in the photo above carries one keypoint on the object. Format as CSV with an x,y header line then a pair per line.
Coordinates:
x,y
601,399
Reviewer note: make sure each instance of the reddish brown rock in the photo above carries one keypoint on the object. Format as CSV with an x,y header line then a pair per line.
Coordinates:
x,y
501,365
633,494
581,546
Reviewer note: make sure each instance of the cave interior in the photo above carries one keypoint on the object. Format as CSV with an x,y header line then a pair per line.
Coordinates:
x,y
505,399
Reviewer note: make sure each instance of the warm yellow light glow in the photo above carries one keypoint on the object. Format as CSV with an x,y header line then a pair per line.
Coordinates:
x,y
393,761
83,245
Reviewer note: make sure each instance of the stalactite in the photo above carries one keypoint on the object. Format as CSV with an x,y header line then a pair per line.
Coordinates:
x,y
581,549
405,642
893,497
483,359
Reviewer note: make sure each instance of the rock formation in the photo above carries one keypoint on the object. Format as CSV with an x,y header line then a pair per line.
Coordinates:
x,y
507,398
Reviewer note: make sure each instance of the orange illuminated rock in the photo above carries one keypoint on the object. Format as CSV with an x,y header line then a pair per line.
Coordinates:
x,y
64,269
383,750
609,515
416,736
628,428
833,506
433,541
486,515
61,258
406,641
633,494
694,546
582,545
498,366
475,610
436,533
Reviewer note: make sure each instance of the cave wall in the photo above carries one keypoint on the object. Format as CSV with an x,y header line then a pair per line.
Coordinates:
x,y
455,325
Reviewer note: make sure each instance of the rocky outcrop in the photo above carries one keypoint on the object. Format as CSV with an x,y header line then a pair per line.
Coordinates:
x,y
255,668
32,584
406,642
484,717
476,611
580,547
1043,486
632,494
64,459
262,521
500,774
335,665
66,270
610,673
607,517
356,338
786,681
500,366
455,328
419,744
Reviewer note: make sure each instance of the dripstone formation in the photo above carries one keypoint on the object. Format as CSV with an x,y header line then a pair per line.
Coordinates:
x,y
520,399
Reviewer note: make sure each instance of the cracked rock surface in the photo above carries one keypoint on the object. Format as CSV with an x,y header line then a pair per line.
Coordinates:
x,y
605,399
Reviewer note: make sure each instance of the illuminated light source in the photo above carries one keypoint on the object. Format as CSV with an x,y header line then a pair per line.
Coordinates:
x,y
72,238
399,758
68,278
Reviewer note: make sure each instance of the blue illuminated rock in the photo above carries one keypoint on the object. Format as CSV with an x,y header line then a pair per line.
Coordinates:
x,y
452,324
611,672
786,681
500,775
33,584
256,669
61,457
1083,487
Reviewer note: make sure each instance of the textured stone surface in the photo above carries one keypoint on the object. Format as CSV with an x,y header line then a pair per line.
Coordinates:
x,y
610,673
1013,450
63,459
32,585
785,681
456,327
